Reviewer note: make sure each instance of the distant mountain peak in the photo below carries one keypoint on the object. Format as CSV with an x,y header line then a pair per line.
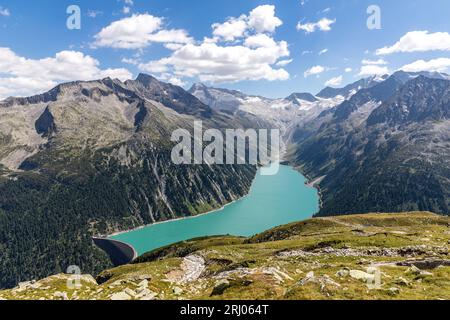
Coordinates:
x,y
197,86
405,76
351,88
306,96
146,79
420,99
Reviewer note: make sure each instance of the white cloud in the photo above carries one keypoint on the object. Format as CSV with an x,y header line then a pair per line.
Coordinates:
x,y
322,25
126,10
379,62
283,63
137,32
334,82
231,29
348,70
173,36
173,46
321,52
167,77
132,61
157,66
215,63
4,12
314,71
371,70
439,65
259,41
419,41
263,19
23,77
240,49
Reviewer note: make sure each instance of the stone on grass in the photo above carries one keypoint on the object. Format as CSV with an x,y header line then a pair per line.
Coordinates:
x,y
220,287
120,296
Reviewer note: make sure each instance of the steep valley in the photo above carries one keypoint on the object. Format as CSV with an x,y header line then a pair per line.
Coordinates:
x,y
385,149
93,158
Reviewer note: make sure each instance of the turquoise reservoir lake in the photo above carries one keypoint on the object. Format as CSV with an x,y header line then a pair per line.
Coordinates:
x,y
272,201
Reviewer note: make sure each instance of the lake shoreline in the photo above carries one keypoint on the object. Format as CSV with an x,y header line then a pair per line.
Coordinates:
x,y
270,201
178,219
310,183
119,252
113,250
118,233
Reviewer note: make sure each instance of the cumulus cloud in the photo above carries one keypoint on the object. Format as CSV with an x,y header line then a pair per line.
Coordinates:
x,y
156,66
334,82
434,65
261,19
314,71
348,70
371,70
167,77
322,25
231,29
215,63
321,52
419,41
259,41
241,48
23,77
137,32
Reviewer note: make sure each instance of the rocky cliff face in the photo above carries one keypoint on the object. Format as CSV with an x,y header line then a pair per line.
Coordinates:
x,y
94,157
372,257
386,148
349,90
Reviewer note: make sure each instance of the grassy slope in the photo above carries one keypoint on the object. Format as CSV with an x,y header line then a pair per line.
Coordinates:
x,y
276,263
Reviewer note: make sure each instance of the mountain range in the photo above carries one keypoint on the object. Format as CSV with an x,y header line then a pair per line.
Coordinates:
x,y
384,149
93,158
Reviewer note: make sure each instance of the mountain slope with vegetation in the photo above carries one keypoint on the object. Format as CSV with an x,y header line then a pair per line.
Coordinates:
x,y
372,256
91,158
387,148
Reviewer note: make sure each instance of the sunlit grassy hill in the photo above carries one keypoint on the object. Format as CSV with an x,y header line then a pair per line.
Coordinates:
x,y
372,256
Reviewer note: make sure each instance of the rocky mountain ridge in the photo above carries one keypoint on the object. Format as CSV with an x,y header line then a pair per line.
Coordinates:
x,y
94,157
386,148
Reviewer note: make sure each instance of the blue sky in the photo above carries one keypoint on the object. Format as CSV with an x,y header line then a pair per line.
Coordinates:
x,y
166,38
